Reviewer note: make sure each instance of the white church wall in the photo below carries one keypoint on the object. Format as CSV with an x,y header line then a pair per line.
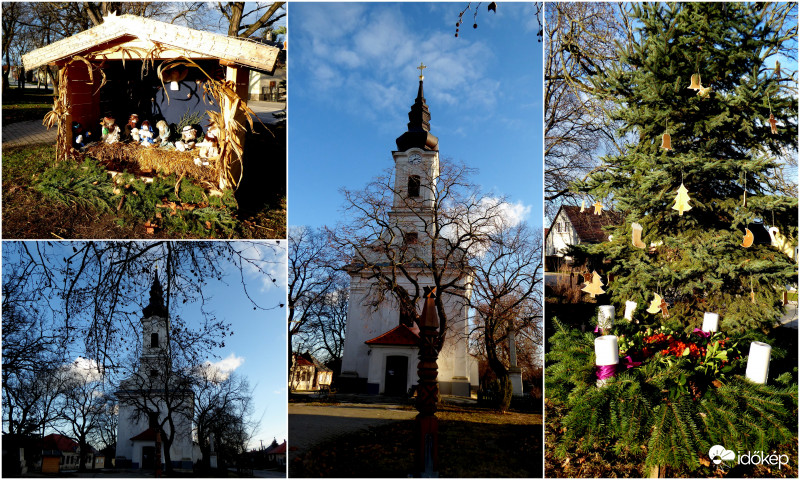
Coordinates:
x,y
365,322
129,426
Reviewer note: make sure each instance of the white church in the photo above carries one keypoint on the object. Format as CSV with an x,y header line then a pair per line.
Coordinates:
x,y
146,396
381,347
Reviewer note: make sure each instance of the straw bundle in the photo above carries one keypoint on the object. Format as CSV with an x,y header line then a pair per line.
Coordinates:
x,y
154,159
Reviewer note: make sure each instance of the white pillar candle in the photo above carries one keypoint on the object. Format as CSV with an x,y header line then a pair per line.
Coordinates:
x,y
710,322
758,362
630,306
606,350
605,316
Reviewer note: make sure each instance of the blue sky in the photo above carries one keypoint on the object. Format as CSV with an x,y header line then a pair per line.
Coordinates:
x,y
353,78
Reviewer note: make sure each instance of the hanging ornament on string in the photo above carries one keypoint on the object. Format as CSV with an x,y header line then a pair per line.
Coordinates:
x,y
773,124
682,199
752,292
583,206
694,83
748,238
594,286
637,235
666,139
598,208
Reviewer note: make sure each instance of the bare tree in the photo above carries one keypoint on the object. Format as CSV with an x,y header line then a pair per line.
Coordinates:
x,y
81,406
94,290
235,14
329,325
223,405
312,276
581,43
431,245
507,300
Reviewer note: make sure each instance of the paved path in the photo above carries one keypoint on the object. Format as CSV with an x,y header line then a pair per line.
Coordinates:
x,y
27,133
33,132
312,424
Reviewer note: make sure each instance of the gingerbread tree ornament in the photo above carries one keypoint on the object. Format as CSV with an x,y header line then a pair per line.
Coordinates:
x,y
595,287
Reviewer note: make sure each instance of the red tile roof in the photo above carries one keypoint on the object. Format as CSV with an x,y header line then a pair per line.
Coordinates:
x,y
399,335
279,449
148,435
588,225
54,441
303,362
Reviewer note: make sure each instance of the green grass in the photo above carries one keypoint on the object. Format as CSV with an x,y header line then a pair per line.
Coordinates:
x,y
45,199
26,104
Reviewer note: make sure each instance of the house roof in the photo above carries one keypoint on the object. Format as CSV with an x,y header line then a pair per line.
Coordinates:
x,y
148,435
302,361
55,441
194,43
399,335
588,226
277,449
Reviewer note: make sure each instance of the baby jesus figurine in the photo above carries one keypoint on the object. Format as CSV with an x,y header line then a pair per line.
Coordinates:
x,y
132,128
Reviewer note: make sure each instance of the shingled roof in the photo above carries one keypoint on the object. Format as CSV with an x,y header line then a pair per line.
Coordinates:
x,y
588,225
194,43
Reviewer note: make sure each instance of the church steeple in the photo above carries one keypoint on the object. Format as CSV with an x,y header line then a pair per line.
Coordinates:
x,y
419,127
156,305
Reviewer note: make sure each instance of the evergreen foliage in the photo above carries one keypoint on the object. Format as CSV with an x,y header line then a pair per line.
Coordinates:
x,y
89,186
664,412
722,150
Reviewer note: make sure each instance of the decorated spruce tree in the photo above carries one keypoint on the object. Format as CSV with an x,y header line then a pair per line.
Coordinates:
x,y
709,119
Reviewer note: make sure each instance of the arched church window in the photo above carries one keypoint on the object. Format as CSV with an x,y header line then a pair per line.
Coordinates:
x,y
411,238
154,340
413,186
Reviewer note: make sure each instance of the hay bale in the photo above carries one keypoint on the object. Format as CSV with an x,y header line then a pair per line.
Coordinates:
x,y
138,159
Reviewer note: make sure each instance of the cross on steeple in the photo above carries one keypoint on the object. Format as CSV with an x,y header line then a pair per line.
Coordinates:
x,y
421,67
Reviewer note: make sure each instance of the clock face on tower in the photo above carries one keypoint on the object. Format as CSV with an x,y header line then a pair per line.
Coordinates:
x,y
414,158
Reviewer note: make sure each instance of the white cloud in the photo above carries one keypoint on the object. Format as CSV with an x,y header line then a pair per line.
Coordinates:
x,y
84,369
374,51
220,370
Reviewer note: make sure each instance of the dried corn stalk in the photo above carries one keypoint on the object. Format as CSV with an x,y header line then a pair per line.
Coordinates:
x,y
224,94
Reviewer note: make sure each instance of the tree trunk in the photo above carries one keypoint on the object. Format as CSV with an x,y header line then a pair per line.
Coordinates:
x,y
237,8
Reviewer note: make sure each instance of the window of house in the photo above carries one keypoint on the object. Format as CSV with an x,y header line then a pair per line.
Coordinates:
x,y
413,186
410,238
153,372
153,340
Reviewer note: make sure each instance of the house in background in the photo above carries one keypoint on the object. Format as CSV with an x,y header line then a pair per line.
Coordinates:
x,y
572,227
277,453
308,374
61,453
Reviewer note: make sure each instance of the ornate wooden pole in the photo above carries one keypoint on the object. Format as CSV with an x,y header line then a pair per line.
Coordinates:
x,y
427,425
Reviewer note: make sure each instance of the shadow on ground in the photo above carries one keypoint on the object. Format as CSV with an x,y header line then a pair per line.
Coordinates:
x,y
471,444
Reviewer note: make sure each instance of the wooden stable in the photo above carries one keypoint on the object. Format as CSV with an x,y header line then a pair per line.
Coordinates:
x,y
131,64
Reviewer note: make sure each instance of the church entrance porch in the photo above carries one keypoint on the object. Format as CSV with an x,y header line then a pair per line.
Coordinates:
x,y
396,375
149,458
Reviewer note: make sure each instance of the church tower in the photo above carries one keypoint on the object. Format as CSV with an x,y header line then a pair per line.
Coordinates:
x,y
146,397
416,166
380,352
